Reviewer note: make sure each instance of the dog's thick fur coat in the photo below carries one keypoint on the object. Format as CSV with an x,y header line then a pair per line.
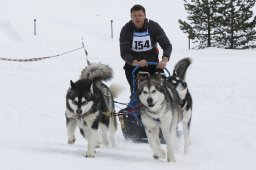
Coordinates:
x,y
89,105
161,108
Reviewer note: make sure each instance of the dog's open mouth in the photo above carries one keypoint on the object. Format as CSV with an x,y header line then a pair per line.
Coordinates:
x,y
152,105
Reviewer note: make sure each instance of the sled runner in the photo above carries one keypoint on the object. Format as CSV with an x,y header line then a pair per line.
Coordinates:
x,y
130,117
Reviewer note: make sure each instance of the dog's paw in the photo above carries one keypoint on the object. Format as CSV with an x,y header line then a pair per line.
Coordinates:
x,y
159,154
155,156
71,140
90,154
171,160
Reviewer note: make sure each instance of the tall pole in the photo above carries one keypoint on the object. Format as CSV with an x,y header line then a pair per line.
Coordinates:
x,y
34,26
188,43
111,21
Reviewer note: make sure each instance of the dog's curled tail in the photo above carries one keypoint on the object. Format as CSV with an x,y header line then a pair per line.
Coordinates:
x,y
115,90
97,72
181,67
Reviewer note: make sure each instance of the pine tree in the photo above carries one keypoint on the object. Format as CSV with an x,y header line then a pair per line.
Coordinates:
x,y
200,17
237,24
220,23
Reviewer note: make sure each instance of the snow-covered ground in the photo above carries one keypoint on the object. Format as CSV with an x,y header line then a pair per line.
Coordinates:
x,y
32,94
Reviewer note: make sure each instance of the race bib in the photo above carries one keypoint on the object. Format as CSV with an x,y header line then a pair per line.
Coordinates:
x,y
141,41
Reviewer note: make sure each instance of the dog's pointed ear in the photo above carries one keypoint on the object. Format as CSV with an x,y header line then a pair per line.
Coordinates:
x,y
72,84
139,90
140,80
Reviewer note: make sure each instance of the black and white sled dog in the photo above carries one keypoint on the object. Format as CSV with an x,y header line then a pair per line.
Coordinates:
x,y
89,105
161,107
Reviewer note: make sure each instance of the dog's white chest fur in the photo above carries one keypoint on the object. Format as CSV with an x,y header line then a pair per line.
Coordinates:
x,y
88,120
157,112
155,116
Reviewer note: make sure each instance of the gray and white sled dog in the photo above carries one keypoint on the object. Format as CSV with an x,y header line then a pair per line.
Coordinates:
x,y
161,108
90,107
178,81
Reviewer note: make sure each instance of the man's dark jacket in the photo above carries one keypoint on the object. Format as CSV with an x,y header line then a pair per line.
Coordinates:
x,y
157,35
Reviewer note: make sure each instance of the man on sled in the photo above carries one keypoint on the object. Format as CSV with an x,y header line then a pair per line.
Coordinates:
x,y
138,46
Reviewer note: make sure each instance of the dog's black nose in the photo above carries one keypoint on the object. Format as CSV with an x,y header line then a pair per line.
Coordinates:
x,y
150,101
79,111
184,84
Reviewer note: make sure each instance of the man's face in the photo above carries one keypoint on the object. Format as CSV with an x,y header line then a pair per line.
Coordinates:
x,y
138,18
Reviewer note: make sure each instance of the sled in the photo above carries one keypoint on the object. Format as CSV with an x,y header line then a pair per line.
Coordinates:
x,y
130,117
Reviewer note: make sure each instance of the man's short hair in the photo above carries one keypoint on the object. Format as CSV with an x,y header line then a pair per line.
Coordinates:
x,y
138,7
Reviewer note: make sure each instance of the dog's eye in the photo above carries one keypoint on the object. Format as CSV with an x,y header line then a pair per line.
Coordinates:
x,y
145,92
153,91
75,102
84,103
